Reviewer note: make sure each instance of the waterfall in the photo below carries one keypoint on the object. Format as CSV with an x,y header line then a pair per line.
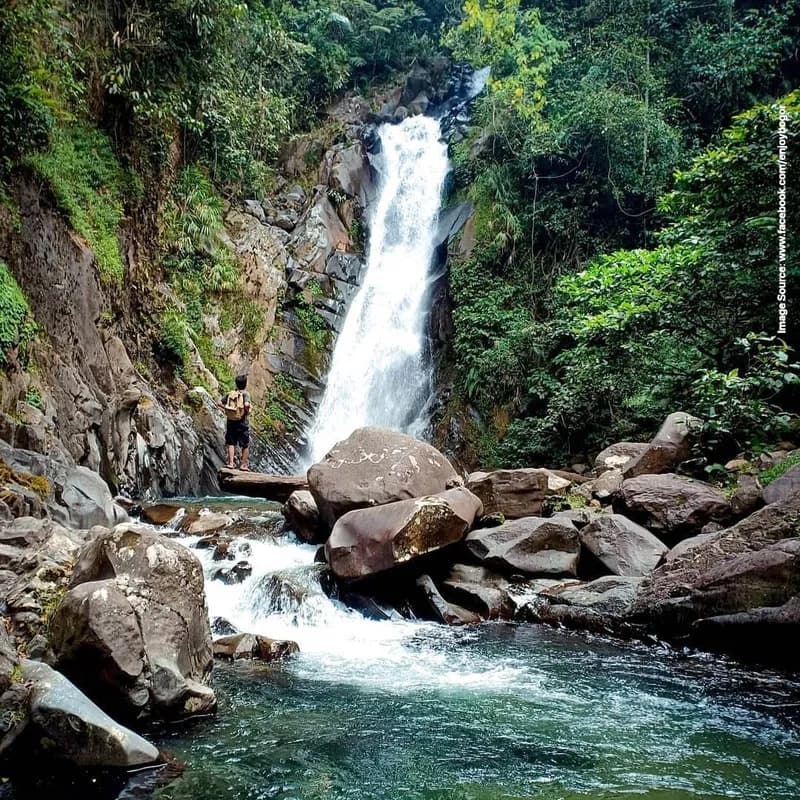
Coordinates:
x,y
379,375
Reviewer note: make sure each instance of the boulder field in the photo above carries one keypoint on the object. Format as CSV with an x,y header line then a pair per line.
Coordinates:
x,y
108,624
634,548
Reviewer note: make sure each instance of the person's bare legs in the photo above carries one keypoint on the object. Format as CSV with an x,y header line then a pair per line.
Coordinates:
x,y
244,463
231,456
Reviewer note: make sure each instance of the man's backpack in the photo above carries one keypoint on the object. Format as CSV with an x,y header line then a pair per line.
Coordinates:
x,y
234,406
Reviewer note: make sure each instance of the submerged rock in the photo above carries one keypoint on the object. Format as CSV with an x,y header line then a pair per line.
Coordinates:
x,y
372,540
133,631
373,467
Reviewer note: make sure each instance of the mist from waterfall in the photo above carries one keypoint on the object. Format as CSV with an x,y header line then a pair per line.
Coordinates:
x,y
379,373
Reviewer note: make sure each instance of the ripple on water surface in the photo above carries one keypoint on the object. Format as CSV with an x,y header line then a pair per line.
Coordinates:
x,y
555,716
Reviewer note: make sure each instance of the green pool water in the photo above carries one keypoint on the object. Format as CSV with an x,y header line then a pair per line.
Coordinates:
x,y
498,712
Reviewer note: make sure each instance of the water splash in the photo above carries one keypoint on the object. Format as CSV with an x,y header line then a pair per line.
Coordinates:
x,y
378,373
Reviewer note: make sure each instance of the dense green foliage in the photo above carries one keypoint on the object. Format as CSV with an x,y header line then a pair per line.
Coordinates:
x,y
565,338
622,164
89,187
16,324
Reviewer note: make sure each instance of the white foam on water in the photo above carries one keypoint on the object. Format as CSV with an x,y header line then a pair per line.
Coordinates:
x,y
283,599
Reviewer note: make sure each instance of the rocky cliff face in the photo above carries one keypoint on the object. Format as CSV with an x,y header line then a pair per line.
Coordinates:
x,y
94,395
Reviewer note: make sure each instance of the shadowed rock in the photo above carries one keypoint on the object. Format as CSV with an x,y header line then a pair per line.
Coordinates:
x,y
76,728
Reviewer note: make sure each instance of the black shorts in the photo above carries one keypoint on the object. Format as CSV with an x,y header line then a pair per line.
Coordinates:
x,y
237,433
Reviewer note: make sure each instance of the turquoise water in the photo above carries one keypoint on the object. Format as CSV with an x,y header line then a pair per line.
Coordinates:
x,y
538,714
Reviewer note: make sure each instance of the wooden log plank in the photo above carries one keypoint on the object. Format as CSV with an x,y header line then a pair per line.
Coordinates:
x,y
260,484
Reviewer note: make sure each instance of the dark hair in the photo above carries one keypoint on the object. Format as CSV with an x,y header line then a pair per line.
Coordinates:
x,y
241,382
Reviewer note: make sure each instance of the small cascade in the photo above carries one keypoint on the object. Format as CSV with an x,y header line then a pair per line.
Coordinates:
x,y
283,598
379,373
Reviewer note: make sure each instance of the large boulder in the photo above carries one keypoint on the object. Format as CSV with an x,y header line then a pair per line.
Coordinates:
x,y
531,545
371,540
375,466
671,505
75,728
671,445
599,606
619,455
752,564
133,631
622,546
514,493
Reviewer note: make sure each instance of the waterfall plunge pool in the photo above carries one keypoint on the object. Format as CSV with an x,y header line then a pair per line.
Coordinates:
x,y
408,710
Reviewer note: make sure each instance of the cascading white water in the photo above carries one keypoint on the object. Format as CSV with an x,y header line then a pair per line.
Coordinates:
x,y
283,599
378,374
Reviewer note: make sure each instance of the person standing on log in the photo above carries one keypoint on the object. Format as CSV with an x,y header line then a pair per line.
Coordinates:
x,y
237,406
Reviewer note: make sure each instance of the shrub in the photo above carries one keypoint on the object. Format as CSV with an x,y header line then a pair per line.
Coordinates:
x,y
89,186
16,323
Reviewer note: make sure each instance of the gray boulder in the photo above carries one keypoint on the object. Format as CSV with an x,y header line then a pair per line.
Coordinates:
x,y
530,545
133,630
671,505
302,517
374,466
611,594
599,606
671,445
619,455
514,493
478,589
76,728
622,546
371,540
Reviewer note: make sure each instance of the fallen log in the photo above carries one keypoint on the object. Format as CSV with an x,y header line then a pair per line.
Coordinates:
x,y
259,484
